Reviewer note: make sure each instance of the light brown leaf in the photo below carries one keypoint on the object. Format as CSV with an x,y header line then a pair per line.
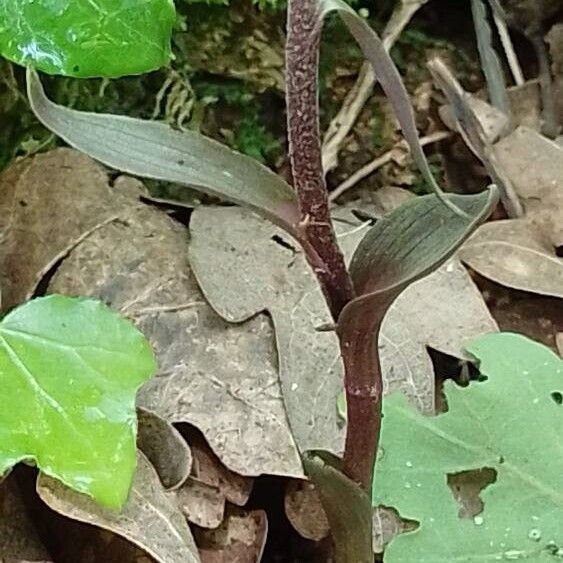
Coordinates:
x,y
202,504
243,270
208,468
38,227
149,519
219,377
165,448
517,254
240,539
304,510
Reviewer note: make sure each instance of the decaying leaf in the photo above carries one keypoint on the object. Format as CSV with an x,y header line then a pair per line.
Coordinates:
x,y
165,448
250,272
36,217
209,469
201,503
514,434
219,377
240,538
149,519
304,510
19,542
204,495
522,253
516,254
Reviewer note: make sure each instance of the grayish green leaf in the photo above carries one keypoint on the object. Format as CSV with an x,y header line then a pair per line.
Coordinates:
x,y
489,59
390,80
348,510
154,150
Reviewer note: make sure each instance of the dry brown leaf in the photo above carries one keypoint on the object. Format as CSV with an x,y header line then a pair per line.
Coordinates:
x,y
533,162
208,468
149,519
19,542
240,539
304,510
250,271
516,254
559,343
130,256
201,503
39,227
165,448
521,253
219,377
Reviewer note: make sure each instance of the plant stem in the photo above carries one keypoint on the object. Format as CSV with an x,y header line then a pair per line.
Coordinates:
x,y
364,391
302,60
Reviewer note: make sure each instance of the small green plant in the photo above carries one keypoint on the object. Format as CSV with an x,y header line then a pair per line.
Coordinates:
x,y
398,250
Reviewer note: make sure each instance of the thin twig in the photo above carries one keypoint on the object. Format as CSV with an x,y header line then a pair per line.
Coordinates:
x,y
508,47
380,161
344,120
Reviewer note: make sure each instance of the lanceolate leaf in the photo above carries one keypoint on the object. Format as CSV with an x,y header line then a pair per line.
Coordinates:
x,y
69,370
86,38
510,423
390,81
155,150
408,244
347,507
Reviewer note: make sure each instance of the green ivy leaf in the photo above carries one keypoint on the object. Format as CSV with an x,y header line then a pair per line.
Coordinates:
x,y
511,423
87,38
69,371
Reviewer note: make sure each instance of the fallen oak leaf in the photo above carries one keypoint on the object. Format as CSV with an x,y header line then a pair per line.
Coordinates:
x,y
135,265
241,538
252,272
165,448
28,197
149,519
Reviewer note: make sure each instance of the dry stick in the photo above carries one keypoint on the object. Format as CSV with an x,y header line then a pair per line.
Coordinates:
x,y
343,122
508,47
380,161
317,234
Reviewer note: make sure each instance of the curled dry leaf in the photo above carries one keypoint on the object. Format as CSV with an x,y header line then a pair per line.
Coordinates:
x,y
241,538
304,510
19,542
203,496
209,469
522,253
132,259
165,448
202,503
149,519
514,253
